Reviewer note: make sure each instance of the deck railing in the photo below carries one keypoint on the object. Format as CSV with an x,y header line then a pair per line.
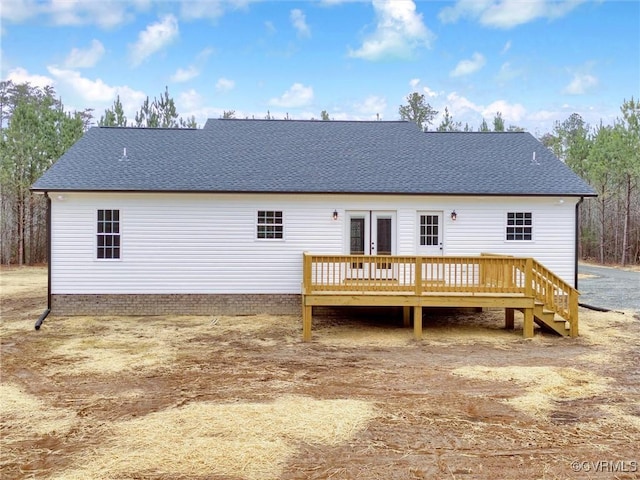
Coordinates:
x,y
422,275
556,295
417,274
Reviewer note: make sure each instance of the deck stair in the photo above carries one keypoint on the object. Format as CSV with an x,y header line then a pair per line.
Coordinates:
x,y
548,320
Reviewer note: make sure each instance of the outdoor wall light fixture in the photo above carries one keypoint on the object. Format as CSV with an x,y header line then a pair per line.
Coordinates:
x,y
454,215
335,214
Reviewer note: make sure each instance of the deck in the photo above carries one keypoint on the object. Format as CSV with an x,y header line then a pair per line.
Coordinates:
x,y
414,282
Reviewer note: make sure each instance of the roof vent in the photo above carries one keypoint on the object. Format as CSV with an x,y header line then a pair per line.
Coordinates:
x,y
533,159
124,157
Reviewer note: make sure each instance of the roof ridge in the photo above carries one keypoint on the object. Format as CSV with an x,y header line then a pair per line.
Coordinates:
x,y
303,120
462,131
133,127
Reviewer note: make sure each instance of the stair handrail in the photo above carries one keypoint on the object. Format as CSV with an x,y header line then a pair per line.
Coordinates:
x,y
556,294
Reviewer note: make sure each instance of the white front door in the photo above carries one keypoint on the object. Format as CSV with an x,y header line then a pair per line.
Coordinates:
x,y
430,233
430,243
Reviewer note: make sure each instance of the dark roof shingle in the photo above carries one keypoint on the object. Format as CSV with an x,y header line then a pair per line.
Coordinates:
x,y
311,156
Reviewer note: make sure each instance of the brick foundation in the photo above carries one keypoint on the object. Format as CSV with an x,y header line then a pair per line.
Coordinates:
x,y
176,304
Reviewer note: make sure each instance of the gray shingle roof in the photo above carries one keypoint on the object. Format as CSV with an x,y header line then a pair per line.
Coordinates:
x,y
311,156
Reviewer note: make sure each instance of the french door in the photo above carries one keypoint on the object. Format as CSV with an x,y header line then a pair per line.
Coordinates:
x,y
371,232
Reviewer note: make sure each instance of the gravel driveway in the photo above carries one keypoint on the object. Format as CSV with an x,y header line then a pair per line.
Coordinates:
x,y
611,288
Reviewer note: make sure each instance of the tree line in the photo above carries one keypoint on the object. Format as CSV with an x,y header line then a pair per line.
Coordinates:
x,y
36,129
608,157
418,111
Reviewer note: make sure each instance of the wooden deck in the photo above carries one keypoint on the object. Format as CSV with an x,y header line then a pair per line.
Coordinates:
x,y
414,282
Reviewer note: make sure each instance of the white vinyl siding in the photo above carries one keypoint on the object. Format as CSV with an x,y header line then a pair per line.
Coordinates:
x,y
206,243
481,222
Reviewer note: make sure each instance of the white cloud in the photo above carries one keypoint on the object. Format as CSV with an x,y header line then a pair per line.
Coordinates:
x,y
18,10
429,93
507,73
21,75
544,115
211,9
193,70
90,90
193,10
154,38
96,93
372,106
399,32
467,67
581,84
225,85
511,112
299,22
79,58
506,13
459,104
463,109
204,54
414,83
190,103
104,13
297,96
506,48
185,74
189,100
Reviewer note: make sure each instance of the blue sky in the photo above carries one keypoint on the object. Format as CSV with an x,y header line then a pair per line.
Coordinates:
x,y
535,61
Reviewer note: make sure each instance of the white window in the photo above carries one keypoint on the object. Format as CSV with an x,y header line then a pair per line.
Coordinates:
x,y
108,234
270,224
429,230
519,226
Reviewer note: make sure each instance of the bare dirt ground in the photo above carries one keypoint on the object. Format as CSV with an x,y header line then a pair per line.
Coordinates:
x,y
243,398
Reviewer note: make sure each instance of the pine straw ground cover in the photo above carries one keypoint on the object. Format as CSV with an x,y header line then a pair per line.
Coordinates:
x,y
244,398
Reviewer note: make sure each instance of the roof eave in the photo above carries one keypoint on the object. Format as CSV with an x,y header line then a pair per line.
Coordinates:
x,y
294,192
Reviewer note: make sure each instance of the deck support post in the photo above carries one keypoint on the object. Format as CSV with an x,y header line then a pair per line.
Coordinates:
x,y
527,331
508,318
417,322
406,317
573,309
306,323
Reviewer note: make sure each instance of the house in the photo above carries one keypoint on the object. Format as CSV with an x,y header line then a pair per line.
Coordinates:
x,y
216,220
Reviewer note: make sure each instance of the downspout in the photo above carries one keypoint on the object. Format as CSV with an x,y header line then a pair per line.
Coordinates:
x,y
44,314
577,241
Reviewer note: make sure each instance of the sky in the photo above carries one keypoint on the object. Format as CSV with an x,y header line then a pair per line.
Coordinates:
x,y
535,61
